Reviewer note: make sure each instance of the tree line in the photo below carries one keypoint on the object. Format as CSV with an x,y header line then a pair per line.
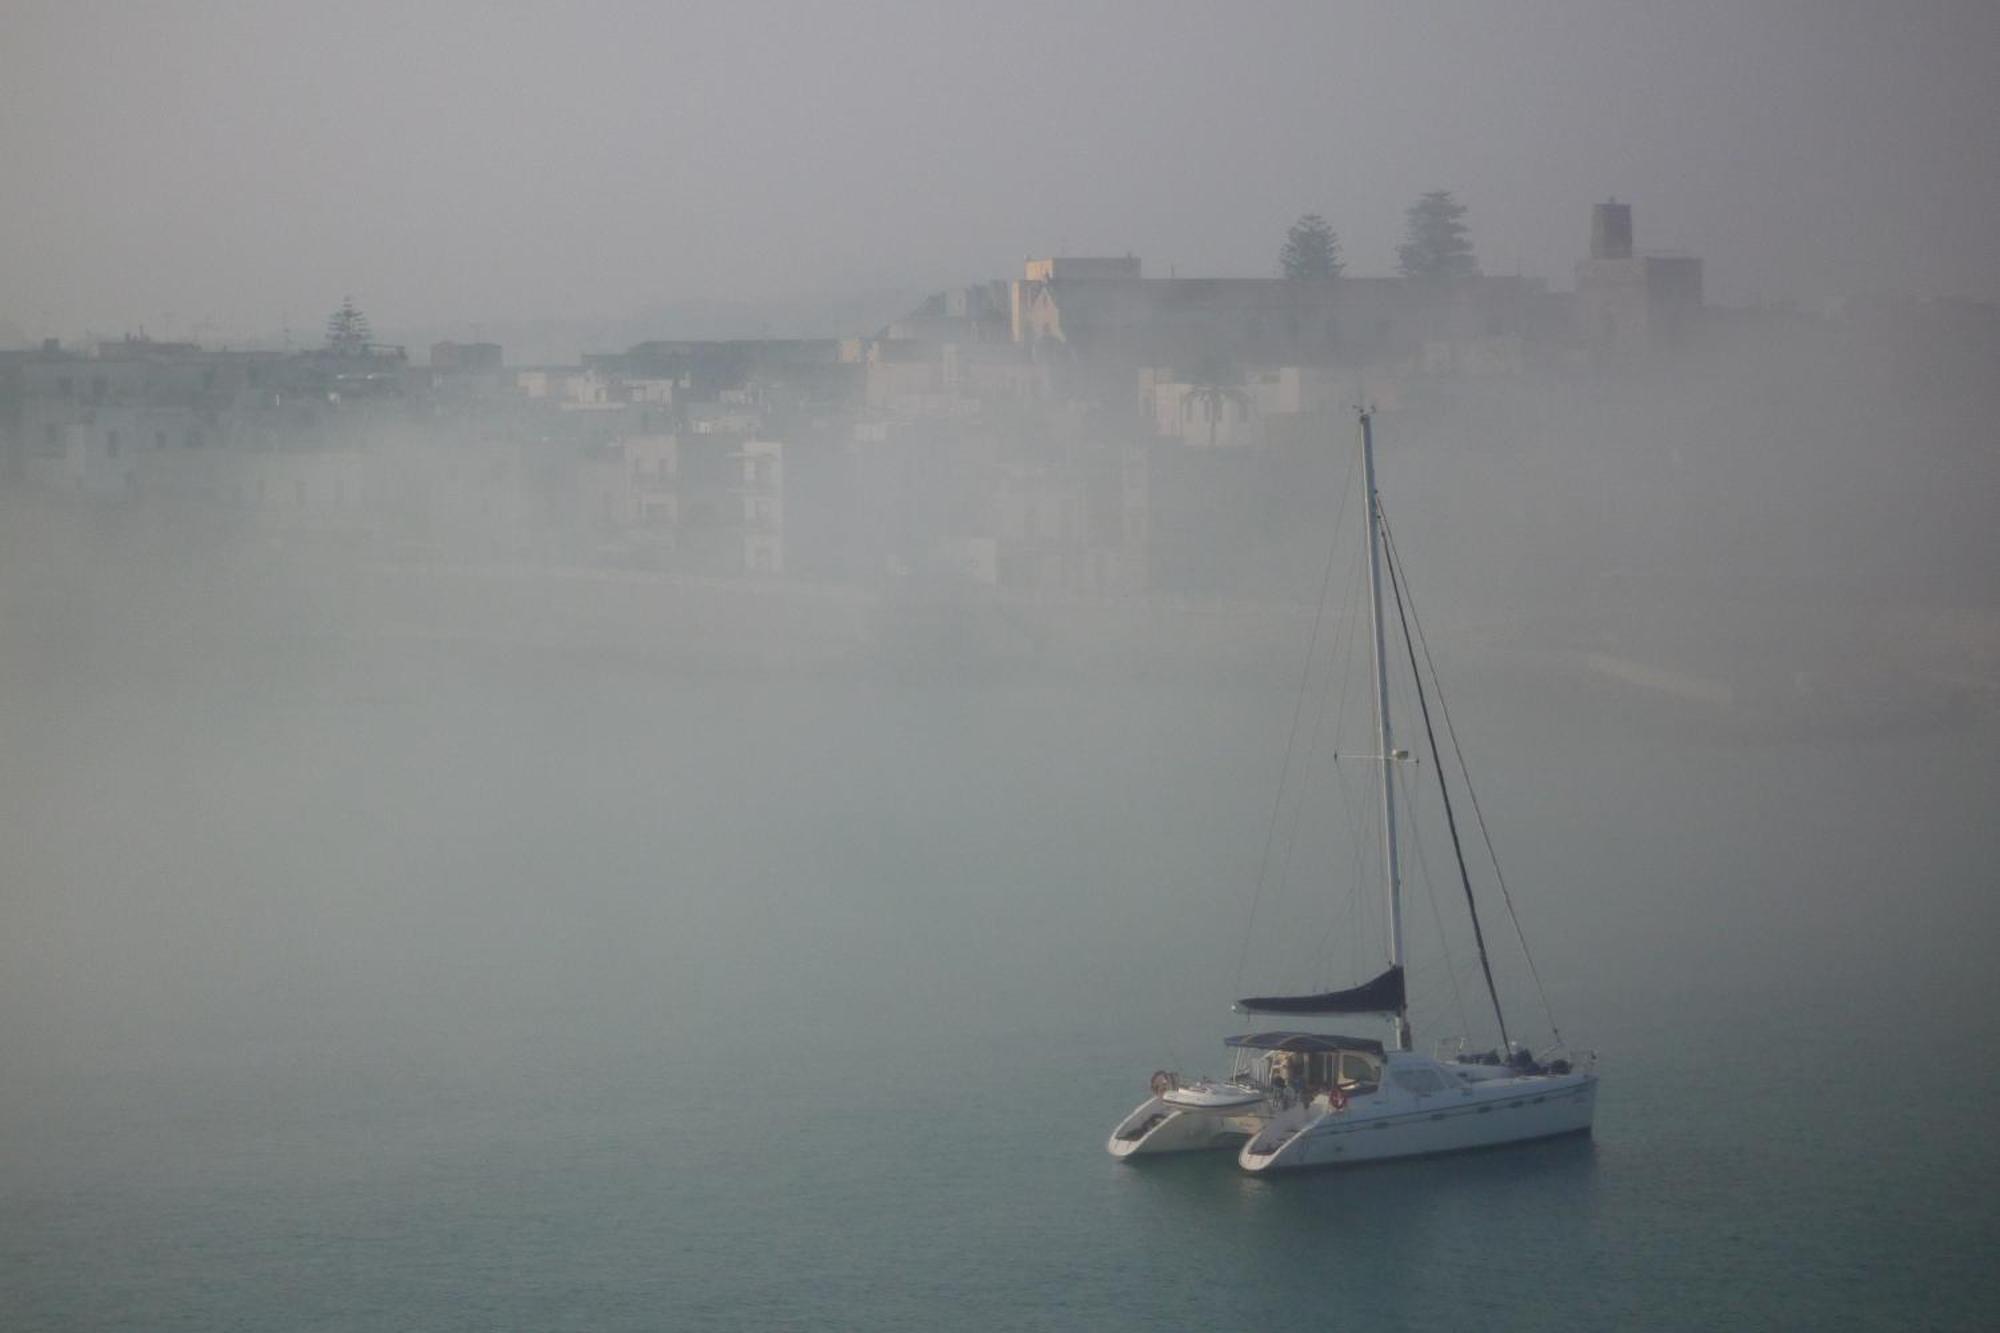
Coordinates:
x,y
1436,243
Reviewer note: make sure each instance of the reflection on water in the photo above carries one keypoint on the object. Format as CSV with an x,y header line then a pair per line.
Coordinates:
x,y
1386,1242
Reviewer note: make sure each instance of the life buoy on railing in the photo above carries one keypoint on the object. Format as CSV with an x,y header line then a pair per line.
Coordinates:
x,y
1336,1097
1163,1082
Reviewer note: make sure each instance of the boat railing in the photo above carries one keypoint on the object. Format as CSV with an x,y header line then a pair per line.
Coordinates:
x,y
1458,1050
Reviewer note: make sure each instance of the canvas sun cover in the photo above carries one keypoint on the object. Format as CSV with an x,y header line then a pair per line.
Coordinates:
x,y
1383,995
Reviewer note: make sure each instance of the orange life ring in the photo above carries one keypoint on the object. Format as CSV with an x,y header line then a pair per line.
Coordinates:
x,y
1163,1083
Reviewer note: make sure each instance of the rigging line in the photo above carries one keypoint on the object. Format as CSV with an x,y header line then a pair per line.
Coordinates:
x,y
1305,773
1353,808
1341,670
1301,970
1165,1012
1342,660
1292,733
1292,831
1444,792
1342,917
1472,794
1306,759
1349,641
1430,892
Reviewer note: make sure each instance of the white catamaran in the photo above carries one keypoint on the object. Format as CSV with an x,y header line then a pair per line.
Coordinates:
x,y
1305,1099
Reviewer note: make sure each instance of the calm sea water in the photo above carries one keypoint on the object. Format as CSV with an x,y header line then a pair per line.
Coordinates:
x,y
419,990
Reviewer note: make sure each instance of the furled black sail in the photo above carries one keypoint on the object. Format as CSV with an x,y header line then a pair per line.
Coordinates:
x,y
1383,995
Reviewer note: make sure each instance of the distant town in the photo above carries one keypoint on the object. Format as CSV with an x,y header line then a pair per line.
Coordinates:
x,y
1038,434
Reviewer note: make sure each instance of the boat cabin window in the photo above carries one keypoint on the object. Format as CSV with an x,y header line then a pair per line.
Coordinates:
x,y
1419,1081
1295,1066
1357,1068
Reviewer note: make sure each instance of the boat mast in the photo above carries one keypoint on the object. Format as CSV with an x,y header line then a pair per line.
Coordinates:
x,y
1393,877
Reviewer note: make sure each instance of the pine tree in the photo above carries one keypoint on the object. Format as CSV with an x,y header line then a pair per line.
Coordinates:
x,y
1436,246
1311,249
347,330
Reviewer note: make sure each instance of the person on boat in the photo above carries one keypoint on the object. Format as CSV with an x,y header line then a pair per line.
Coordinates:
x,y
1280,1080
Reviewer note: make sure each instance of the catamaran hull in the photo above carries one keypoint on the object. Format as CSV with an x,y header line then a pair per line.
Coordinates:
x,y
1158,1127
1494,1114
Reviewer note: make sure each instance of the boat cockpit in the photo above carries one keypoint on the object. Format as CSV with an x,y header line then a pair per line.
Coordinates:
x,y
1299,1067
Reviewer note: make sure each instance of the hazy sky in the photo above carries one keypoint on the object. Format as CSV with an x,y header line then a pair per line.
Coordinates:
x,y
227,169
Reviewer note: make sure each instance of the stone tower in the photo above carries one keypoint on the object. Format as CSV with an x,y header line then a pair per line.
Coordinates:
x,y
1611,230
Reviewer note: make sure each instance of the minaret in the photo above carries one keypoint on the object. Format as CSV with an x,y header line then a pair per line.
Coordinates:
x,y
1611,230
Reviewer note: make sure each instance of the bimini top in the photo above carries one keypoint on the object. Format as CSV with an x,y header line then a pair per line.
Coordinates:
x,y
1312,1043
